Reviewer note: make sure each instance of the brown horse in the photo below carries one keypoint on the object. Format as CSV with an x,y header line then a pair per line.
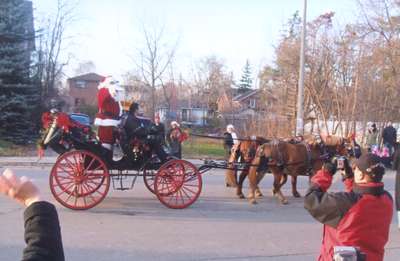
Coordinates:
x,y
243,154
330,146
295,157
284,159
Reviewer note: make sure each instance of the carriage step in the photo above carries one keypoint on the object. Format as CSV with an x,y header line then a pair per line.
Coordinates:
x,y
123,188
123,182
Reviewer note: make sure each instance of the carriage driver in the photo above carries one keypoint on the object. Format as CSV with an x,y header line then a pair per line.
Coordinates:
x,y
135,128
109,97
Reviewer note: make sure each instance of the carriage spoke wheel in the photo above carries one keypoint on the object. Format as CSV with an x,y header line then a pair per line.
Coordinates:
x,y
178,184
79,180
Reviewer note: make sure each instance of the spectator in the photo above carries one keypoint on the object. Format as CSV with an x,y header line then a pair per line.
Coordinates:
x,y
159,126
396,166
42,229
175,137
230,144
230,139
389,137
355,150
360,218
372,138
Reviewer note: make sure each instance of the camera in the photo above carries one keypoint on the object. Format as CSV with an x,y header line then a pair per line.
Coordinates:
x,y
343,165
341,162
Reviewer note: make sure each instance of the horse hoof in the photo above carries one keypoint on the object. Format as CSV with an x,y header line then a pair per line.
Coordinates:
x,y
284,202
253,201
259,195
241,196
296,194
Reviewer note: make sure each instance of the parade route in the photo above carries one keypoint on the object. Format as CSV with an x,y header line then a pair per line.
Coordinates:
x,y
134,225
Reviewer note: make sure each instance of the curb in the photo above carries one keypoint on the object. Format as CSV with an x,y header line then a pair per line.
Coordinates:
x,y
49,162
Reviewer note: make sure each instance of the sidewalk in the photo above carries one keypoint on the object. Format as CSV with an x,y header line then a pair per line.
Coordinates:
x,y
27,161
47,161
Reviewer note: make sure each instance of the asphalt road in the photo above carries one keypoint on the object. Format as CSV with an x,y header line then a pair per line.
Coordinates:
x,y
133,225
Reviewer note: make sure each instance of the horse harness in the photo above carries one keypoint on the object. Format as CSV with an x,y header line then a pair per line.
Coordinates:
x,y
281,164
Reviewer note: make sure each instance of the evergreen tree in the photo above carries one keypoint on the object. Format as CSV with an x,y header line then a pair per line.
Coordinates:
x,y
19,96
246,80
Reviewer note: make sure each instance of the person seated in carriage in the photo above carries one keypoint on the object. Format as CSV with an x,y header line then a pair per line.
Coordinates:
x,y
142,130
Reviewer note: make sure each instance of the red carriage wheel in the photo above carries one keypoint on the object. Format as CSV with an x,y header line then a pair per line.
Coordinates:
x,y
79,180
178,184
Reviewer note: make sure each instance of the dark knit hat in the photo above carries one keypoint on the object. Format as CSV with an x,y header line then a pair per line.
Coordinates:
x,y
134,107
370,164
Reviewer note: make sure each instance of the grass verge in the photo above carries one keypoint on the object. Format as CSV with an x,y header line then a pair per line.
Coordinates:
x,y
196,147
10,149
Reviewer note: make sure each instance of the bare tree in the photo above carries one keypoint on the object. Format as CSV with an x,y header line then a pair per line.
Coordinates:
x,y
51,43
154,60
85,67
211,80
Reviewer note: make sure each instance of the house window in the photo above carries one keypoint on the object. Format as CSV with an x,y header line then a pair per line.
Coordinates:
x,y
252,103
80,84
185,115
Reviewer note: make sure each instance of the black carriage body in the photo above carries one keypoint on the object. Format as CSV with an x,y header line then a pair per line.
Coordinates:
x,y
78,135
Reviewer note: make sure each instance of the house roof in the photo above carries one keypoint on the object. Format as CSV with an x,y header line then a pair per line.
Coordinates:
x,y
243,96
185,104
90,77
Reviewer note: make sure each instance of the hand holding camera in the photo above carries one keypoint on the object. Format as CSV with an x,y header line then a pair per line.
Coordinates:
x,y
341,164
344,167
331,167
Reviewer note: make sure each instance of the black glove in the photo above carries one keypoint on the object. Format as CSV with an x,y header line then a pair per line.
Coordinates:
x,y
331,167
153,129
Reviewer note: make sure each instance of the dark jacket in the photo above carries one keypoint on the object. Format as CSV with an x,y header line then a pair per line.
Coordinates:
x,y
359,218
160,130
134,127
396,166
42,233
389,135
228,140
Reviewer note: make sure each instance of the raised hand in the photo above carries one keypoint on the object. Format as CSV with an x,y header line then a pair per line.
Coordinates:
x,y
20,189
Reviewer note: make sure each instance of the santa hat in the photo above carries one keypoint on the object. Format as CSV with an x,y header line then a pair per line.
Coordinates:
x,y
174,123
116,91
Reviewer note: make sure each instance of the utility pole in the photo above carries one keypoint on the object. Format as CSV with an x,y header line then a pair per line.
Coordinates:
x,y
300,91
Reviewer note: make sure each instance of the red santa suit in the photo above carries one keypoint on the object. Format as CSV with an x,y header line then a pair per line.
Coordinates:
x,y
108,98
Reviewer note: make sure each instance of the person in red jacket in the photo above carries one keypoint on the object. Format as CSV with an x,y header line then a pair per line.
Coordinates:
x,y
110,110
360,218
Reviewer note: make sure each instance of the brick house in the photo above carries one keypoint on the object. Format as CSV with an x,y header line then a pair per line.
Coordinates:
x,y
82,90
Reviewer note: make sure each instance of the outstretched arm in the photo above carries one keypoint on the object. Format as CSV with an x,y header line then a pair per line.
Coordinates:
x,y
327,208
42,229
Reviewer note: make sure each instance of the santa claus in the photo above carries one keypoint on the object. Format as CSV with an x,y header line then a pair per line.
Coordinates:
x,y
109,99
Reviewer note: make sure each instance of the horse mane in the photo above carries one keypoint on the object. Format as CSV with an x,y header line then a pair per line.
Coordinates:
x,y
261,140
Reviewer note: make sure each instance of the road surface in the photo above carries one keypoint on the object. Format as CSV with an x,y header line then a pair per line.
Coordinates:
x,y
133,225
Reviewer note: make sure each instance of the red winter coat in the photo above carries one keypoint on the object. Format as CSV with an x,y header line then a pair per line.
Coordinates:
x,y
360,218
108,109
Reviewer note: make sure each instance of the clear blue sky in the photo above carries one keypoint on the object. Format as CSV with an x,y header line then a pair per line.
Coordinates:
x,y
108,31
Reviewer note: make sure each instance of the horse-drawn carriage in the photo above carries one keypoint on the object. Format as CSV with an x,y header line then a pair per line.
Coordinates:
x,y
84,171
